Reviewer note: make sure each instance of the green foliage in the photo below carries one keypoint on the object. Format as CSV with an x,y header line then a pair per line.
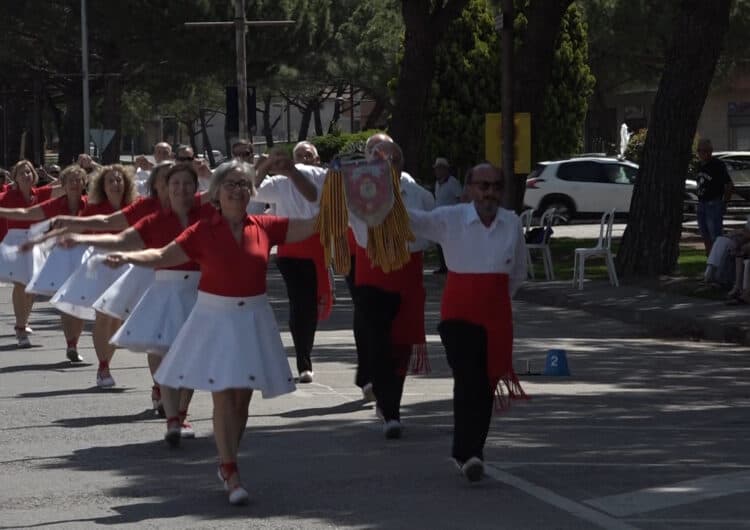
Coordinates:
x,y
566,100
137,108
634,151
466,85
331,145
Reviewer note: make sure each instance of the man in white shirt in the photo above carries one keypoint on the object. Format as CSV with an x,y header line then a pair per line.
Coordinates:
x,y
448,191
389,307
295,192
162,152
486,258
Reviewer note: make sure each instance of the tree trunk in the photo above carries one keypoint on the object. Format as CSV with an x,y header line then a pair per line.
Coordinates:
x,y
316,118
267,129
206,140
71,134
650,245
304,125
532,74
425,26
112,118
334,123
374,116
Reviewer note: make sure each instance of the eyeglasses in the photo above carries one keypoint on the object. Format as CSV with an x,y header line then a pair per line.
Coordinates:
x,y
496,185
231,185
245,154
185,158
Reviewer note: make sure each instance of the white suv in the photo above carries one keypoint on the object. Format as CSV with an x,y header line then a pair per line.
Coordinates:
x,y
581,186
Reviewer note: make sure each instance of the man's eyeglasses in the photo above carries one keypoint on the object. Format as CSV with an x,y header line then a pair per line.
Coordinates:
x,y
185,158
245,154
486,185
231,185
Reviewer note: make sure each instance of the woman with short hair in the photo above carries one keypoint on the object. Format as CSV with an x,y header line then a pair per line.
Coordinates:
x,y
243,352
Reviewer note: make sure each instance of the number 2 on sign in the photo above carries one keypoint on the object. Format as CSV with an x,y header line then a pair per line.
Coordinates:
x,y
553,361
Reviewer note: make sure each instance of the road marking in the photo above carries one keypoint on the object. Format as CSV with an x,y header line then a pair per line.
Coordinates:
x,y
550,497
670,495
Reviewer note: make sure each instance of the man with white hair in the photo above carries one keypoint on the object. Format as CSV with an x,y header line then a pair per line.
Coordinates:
x,y
448,191
296,194
389,306
162,153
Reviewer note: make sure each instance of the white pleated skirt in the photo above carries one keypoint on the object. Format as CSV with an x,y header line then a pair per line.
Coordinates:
x,y
18,266
57,268
79,292
228,342
160,314
120,298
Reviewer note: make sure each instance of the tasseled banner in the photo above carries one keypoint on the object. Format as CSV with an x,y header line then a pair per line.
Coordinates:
x,y
333,221
420,361
506,390
387,243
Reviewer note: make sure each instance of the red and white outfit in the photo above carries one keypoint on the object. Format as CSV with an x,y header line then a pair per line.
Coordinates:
x,y
230,339
83,288
392,308
162,310
486,265
301,264
60,262
17,266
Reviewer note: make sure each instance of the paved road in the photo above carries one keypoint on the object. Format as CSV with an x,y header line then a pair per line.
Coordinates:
x,y
645,434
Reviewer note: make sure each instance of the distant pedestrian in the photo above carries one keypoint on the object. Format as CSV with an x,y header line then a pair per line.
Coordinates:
x,y
714,190
448,191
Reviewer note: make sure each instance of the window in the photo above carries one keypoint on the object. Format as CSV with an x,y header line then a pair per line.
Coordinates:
x,y
582,172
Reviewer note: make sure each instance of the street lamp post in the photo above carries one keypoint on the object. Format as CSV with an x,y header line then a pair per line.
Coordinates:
x,y
85,75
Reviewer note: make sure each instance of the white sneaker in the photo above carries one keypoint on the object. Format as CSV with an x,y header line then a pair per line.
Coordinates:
x,y
186,430
473,469
392,429
238,496
23,342
73,355
104,381
305,377
368,395
174,432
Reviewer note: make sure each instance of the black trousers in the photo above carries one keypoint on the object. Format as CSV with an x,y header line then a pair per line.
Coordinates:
x,y
378,309
466,349
441,259
302,288
363,375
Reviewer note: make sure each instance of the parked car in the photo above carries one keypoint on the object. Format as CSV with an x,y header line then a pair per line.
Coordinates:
x,y
738,166
581,186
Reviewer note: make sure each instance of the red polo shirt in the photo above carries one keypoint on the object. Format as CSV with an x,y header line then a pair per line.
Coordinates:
x,y
229,268
161,228
14,199
59,206
140,208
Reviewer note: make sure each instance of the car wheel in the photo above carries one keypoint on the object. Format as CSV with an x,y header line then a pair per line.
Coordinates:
x,y
564,210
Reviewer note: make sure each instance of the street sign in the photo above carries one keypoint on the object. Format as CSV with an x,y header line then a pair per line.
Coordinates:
x,y
102,138
493,141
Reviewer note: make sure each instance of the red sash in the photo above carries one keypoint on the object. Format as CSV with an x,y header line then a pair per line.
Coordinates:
x,y
483,299
408,326
311,248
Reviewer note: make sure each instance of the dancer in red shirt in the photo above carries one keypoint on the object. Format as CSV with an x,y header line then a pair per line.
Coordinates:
x,y
17,267
230,344
72,179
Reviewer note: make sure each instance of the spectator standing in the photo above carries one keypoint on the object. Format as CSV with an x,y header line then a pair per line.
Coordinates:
x,y
714,190
448,191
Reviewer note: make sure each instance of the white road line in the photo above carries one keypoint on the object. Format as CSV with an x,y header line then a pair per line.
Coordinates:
x,y
573,508
670,495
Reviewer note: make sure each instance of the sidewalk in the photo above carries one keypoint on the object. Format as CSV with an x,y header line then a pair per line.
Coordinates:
x,y
663,314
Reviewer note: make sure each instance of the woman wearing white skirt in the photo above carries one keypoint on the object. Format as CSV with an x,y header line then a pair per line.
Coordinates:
x,y
230,344
72,179
17,267
82,290
161,312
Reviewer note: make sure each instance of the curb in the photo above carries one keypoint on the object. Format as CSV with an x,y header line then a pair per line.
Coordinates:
x,y
664,315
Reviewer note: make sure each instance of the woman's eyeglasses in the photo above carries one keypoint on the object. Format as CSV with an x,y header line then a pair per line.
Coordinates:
x,y
231,185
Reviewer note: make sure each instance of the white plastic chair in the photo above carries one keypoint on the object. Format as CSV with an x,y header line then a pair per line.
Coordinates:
x,y
525,218
545,223
602,248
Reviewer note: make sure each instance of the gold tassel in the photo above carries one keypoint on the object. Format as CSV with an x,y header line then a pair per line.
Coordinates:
x,y
333,221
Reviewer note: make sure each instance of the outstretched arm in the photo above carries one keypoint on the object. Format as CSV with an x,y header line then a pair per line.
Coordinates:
x,y
126,240
281,164
155,258
300,229
35,213
114,222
